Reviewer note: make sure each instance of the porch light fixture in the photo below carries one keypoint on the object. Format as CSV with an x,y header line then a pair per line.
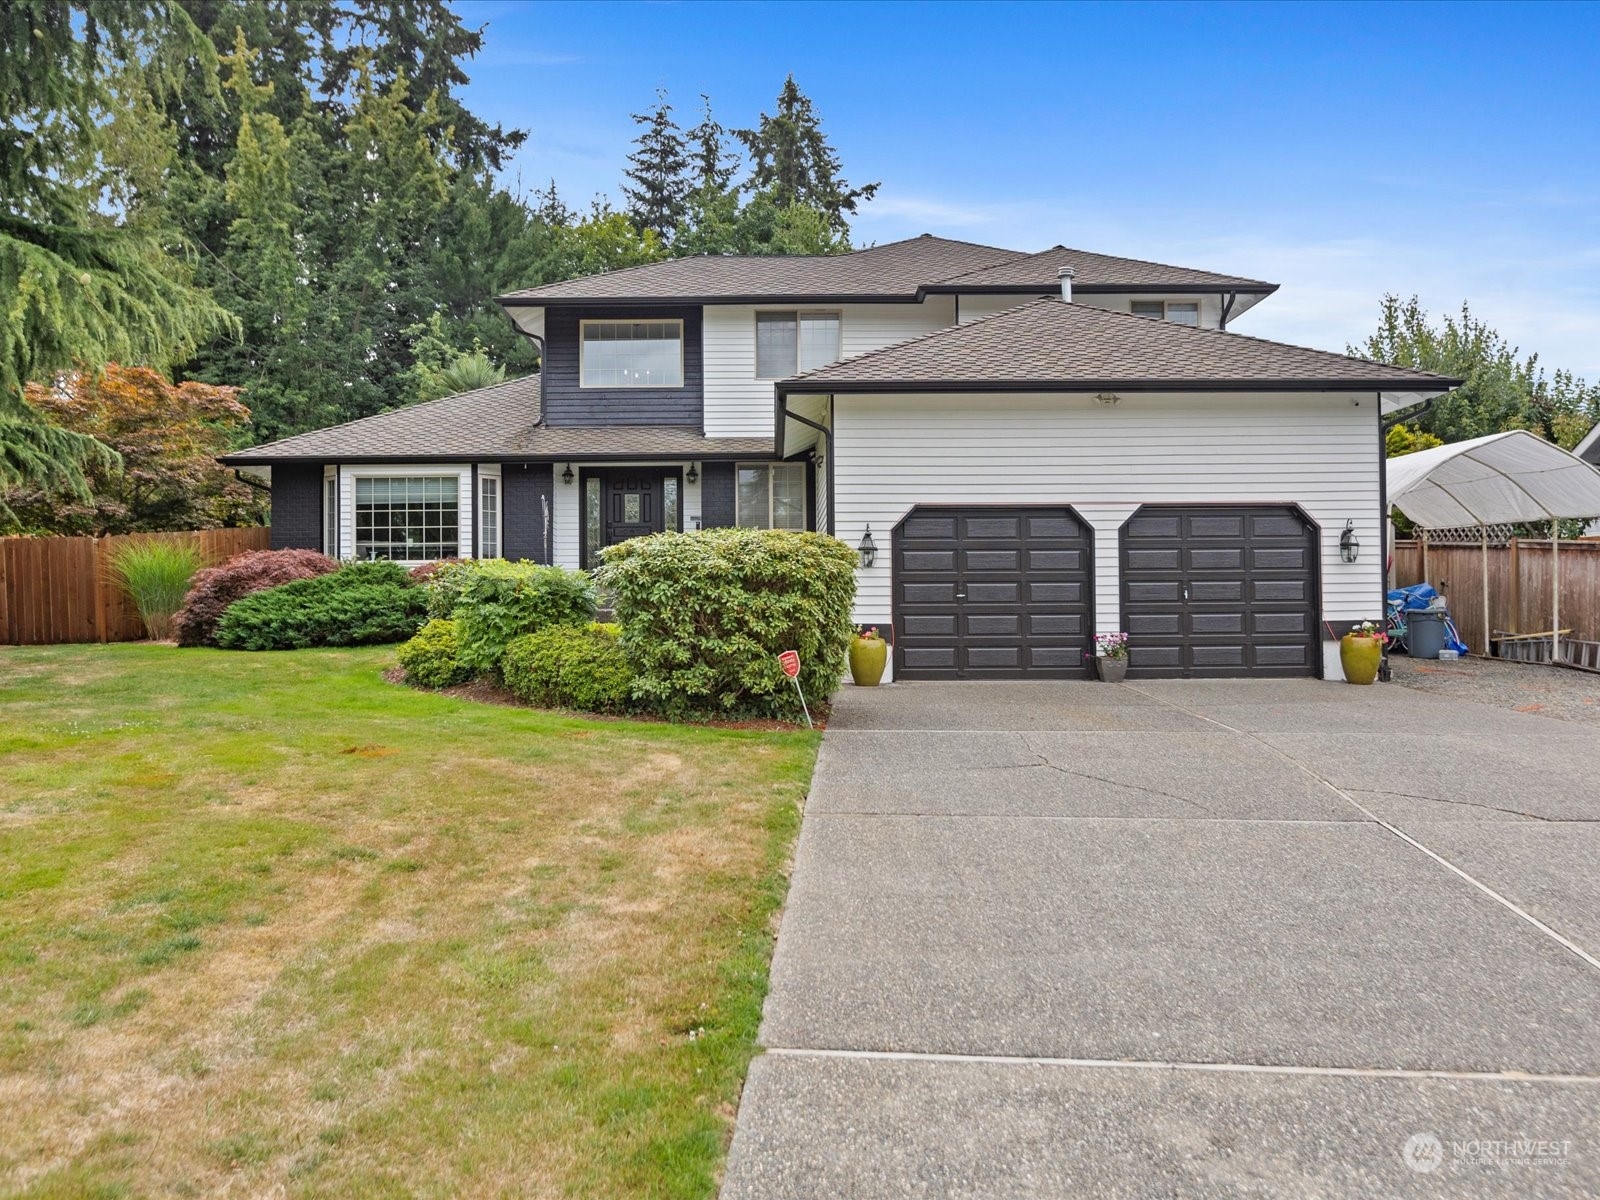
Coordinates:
x,y
566,476
1349,544
868,548
694,473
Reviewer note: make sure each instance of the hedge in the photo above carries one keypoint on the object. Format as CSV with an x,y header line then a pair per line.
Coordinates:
x,y
432,659
570,666
501,601
705,615
215,588
360,604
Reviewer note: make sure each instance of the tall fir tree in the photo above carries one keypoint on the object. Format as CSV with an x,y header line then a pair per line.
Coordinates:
x,y
792,160
658,183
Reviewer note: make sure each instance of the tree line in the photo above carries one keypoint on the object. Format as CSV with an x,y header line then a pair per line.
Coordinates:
x,y
293,201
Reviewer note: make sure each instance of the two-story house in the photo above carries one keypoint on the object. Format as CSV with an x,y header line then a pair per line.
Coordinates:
x,y
1038,447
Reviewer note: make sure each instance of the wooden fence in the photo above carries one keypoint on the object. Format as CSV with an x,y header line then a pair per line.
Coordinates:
x,y
60,589
1519,586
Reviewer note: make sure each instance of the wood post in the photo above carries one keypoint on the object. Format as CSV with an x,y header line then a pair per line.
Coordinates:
x,y
1555,591
1515,575
1483,543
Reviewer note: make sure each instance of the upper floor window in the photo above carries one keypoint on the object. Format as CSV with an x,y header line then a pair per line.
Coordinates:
x,y
788,343
1179,312
630,354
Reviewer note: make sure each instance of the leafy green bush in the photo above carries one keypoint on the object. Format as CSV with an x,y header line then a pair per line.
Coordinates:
x,y
570,666
360,604
156,574
503,600
442,583
433,658
253,571
705,615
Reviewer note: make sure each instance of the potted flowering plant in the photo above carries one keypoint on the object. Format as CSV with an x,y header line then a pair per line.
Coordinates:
x,y
868,654
1111,656
1361,652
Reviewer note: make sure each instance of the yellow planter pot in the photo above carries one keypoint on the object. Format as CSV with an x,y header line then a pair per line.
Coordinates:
x,y
1360,656
868,657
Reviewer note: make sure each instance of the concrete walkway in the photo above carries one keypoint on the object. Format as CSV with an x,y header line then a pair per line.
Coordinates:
x,y
1185,939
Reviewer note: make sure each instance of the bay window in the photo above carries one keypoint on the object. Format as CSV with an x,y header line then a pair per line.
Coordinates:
x,y
788,343
771,496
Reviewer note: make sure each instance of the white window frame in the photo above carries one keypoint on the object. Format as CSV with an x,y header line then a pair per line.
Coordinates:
x,y
583,379
767,467
796,313
1166,307
330,511
484,514
466,501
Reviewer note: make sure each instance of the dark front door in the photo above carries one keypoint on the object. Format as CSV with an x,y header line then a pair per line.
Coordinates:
x,y
623,503
991,593
1220,590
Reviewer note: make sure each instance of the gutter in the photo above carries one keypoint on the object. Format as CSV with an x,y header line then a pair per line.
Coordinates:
x,y
813,387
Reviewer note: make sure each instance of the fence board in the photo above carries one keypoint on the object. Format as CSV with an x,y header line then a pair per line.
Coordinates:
x,y
1457,571
59,589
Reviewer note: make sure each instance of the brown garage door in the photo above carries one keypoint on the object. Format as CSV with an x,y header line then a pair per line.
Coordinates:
x,y
1219,591
991,593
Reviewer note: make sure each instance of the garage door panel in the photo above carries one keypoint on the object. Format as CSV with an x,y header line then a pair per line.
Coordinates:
x,y
1219,592
992,594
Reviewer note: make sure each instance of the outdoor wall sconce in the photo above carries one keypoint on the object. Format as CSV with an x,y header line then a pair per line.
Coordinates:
x,y
694,473
566,476
1109,399
868,548
1349,544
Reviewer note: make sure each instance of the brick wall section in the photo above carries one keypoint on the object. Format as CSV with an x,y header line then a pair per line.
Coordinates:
x,y
716,495
297,506
521,513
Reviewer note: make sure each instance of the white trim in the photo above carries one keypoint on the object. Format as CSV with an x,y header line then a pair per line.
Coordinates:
x,y
330,512
487,471
465,500
607,387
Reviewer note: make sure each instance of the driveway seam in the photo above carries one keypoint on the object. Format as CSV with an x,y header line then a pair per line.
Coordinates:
x,y
1561,939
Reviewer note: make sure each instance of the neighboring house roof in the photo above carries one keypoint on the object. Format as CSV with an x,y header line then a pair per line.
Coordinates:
x,y
1589,448
1033,273
902,271
1050,345
495,422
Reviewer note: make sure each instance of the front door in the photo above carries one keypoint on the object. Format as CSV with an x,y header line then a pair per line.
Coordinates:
x,y
623,503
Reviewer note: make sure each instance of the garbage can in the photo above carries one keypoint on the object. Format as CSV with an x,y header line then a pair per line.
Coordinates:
x,y
1425,631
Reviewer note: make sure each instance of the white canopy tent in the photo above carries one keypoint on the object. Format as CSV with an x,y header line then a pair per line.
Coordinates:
x,y
1502,479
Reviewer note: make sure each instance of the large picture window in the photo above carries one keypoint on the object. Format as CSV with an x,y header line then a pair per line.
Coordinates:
x,y
788,343
408,518
771,496
630,354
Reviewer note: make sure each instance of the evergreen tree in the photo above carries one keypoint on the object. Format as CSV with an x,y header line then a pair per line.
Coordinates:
x,y
792,159
658,172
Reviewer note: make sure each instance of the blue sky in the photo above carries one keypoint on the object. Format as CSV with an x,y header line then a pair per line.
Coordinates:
x,y
1340,150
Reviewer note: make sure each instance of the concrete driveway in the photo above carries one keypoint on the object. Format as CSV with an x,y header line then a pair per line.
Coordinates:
x,y
1185,939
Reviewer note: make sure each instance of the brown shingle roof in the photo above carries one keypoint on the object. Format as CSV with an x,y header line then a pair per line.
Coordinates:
x,y
1094,272
489,423
1048,345
899,270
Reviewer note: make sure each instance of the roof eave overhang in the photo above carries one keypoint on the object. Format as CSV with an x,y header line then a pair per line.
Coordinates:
x,y
1107,289
718,454
845,387
913,297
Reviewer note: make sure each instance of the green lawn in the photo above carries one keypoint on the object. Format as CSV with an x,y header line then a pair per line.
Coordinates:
x,y
270,925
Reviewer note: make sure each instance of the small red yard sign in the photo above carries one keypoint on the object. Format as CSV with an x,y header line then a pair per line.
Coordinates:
x,y
789,660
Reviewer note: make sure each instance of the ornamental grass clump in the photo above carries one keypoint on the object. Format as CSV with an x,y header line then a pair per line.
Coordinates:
x,y
156,573
705,615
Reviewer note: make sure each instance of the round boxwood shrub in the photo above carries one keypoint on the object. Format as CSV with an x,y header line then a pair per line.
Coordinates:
x,y
215,588
500,601
361,604
705,615
432,659
570,666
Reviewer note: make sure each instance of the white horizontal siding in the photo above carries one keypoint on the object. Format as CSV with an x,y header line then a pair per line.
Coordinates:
x,y
567,505
737,404
1319,451
974,307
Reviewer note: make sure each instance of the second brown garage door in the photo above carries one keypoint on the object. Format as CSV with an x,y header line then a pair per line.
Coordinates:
x,y
991,593
1220,591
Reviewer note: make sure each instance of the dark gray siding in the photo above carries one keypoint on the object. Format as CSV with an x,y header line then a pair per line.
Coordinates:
x,y
565,403
716,495
526,493
297,506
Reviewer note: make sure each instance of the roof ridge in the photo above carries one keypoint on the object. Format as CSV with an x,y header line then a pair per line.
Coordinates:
x,y
1143,262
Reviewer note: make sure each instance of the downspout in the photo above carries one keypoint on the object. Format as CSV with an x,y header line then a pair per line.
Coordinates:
x,y
1227,308
824,431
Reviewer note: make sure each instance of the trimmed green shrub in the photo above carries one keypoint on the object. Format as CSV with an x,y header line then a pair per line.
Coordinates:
x,y
501,601
156,574
705,615
432,659
361,604
215,588
442,583
570,666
